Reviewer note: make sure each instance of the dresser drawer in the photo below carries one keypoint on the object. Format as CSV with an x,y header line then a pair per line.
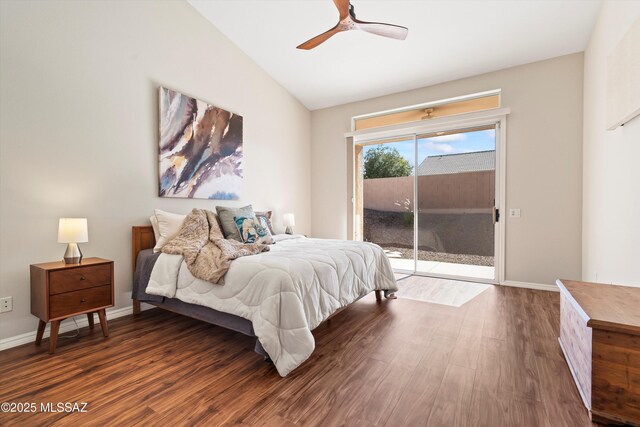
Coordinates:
x,y
69,303
75,279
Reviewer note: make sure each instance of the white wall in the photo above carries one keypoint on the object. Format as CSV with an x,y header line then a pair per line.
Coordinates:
x,y
611,185
78,137
544,162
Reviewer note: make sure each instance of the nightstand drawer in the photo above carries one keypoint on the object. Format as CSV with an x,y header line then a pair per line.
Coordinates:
x,y
70,303
75,279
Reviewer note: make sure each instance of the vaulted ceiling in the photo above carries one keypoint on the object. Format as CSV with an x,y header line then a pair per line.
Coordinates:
x,y
447,40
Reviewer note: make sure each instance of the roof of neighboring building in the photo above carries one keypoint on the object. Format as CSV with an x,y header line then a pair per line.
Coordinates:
x,y
458,163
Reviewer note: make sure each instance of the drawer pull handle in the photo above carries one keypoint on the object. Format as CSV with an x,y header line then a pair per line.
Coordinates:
x,y
82,278
83,300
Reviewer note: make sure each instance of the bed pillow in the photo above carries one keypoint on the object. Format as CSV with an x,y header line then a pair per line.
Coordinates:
x,y
265,220
226,216
169,225
154,225
251,231
266,223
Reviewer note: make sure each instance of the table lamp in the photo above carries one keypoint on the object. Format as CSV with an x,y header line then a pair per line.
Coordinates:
x,y
289,221
73,231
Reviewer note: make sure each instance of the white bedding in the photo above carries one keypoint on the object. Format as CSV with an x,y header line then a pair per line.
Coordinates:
x,y
285,292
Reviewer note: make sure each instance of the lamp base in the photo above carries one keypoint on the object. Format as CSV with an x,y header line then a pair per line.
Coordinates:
x,y
72,255
288,230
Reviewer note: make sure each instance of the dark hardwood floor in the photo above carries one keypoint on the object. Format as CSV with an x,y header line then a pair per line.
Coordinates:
x,y
494,361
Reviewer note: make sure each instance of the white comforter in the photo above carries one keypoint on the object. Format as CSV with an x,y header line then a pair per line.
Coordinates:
x,y
286,292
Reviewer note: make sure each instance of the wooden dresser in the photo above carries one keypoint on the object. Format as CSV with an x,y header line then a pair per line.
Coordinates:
x,y
600,338
60,290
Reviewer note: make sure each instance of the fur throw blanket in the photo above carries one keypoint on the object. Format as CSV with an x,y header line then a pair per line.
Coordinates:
x,y
205,250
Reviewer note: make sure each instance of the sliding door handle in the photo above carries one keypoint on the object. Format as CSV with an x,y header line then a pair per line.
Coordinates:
x,y
495,215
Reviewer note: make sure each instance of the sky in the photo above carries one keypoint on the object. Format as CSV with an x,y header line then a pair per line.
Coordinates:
x,y
447,144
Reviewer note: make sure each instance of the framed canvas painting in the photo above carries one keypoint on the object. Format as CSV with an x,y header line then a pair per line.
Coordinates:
x,y
200,149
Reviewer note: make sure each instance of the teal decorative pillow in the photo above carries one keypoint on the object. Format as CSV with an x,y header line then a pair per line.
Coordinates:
x,y
265,220
252,231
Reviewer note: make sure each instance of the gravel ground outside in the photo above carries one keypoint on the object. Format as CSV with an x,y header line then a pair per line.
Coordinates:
x,y
441,256
455,238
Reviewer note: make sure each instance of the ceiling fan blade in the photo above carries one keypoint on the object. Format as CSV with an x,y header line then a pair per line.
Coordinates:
x,y
311,43
382,29
343,8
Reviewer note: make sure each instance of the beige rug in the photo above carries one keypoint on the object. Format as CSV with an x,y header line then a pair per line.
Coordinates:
x,y
453,293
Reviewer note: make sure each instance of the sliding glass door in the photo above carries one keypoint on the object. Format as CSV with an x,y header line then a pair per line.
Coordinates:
x,y
388,204
456,176
429,201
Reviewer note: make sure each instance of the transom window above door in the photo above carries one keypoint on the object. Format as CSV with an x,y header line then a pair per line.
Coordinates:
x,y
430,110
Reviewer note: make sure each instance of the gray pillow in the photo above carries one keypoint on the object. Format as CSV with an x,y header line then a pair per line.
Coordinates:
x,y
227,216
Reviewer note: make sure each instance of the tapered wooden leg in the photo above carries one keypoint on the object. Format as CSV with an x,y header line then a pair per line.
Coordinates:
x,y
378,295
53,336
41,325
136,307
103,322
90,318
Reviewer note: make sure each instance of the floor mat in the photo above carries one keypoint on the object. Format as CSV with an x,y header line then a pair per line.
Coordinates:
x,y
454,293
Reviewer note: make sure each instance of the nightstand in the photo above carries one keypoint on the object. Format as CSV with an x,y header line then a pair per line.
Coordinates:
x,y
60,290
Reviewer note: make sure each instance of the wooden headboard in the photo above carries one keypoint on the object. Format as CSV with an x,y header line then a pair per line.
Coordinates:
x,y
142,238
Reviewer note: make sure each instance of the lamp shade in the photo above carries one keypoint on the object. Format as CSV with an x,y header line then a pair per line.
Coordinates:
x,y
73,230
288,220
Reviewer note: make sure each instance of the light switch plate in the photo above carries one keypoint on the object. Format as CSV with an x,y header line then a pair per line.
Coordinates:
x,y
514,213
6,304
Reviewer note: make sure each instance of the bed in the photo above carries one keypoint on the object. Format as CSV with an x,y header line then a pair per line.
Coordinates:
x,y
277,297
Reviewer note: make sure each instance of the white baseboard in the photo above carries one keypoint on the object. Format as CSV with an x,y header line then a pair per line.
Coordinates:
x,y
538,286
66,326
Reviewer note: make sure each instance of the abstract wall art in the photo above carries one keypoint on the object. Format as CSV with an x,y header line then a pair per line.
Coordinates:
x,y
200,149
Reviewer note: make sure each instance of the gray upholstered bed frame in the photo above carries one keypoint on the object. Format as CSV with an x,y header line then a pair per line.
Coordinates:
x,y
143,239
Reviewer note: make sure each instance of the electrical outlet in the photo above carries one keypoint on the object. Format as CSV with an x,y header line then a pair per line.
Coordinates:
x,y
6,304
514,213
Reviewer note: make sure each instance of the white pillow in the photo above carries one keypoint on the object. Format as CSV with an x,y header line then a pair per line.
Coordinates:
x,y
154,225
169,225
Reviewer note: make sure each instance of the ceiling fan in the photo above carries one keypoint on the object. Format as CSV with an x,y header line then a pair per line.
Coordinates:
x,y
349,22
